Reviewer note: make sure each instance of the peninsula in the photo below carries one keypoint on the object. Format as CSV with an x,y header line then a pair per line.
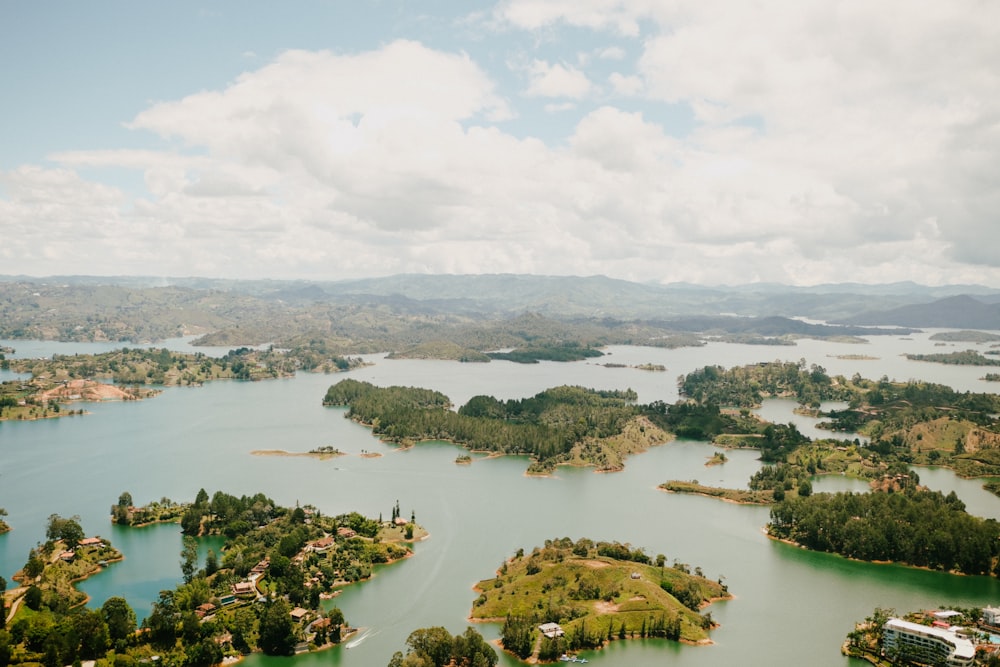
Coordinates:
x,y
262,593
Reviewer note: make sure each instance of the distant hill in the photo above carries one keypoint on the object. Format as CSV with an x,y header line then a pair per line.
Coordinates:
x,y
961,311
480,312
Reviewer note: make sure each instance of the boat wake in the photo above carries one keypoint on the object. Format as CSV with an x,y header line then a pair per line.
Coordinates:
x,y
357,642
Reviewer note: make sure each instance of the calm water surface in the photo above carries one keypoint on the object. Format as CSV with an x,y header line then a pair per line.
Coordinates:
x,y
791,607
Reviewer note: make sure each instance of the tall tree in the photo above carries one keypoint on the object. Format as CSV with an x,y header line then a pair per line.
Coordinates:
x,y
189,558
277,631
119,617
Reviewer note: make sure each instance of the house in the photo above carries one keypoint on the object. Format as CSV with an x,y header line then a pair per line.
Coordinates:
x,y
67,556
551,630
91,542
244,588
322,545
298,614
261,567
344,531
203,610
400,521
991,616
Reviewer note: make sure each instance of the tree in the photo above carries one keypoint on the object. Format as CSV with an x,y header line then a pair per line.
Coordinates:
x,y
125,500
119,617
189,558
211,563
93,633
470,650
431,643
33,598
67,530
34,566
277,632
162,621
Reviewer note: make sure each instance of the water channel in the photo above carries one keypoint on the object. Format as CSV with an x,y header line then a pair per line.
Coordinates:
x,y
791,606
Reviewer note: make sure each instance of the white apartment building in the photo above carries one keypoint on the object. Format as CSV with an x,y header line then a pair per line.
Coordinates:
x,y
924,644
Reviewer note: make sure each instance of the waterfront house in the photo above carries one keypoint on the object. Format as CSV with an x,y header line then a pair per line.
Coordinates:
x,y
551,630
991,616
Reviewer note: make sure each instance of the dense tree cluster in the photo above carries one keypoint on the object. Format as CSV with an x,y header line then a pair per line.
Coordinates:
x,y
534,354
746,386
923,528
964,358
227,514
436,647
546,426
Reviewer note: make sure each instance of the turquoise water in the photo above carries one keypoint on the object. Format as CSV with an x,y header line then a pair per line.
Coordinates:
x,y
789,602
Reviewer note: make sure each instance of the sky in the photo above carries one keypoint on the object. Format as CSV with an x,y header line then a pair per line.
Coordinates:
x,y
793,141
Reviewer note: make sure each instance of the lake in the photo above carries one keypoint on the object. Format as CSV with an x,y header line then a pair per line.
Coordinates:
x,y
791,606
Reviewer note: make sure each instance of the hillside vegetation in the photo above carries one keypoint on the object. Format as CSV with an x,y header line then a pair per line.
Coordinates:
x,y
597,592
562,425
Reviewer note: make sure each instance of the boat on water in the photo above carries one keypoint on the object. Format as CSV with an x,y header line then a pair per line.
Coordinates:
x,y
572,658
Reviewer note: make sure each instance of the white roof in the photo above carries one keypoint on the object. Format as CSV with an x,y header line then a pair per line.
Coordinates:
x,y
963,647
948,613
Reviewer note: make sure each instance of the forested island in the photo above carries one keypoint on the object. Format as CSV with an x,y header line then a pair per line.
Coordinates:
x,y
912,527
966,336
965,358
263,592
568,596
562,425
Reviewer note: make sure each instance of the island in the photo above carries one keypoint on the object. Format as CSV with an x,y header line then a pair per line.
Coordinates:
x,y
965,358
568,596
966,336
908,525
560,426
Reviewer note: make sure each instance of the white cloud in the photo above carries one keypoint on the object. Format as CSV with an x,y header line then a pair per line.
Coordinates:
x,y
557,80
619,15
627,85
828,142
611,53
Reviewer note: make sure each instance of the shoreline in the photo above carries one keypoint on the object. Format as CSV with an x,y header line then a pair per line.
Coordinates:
x,y
792,543
322,456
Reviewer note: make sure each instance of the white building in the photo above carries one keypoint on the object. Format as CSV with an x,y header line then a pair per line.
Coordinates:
x,y
991,616
926,644
551,630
